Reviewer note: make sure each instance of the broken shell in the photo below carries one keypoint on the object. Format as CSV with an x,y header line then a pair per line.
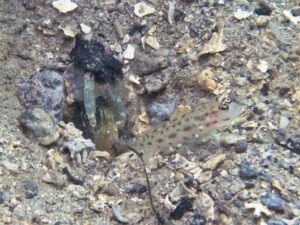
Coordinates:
x,y
211,164
215,43
64,6
129,52
180,191
152,42
142,9
205,80
101,154
263,66
68,31
205,204
240,14
141,124
85,29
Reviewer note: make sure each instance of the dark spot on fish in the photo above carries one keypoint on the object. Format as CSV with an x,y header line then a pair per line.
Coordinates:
x,y
187,128
210,123
161,132
186,138
179,123
172,135
187,120
226,119
160,140
206,114
149,143
198,118
173,125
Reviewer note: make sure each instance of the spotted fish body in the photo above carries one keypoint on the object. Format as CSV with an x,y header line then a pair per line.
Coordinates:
x,y
189,128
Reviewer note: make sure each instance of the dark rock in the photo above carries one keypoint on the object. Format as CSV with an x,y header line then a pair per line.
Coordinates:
x,y
276,222
249,185
72,178
2,197
160,112
198,219
247,172
283,91
31,188
91,56
296,11
44,90
273,201
179,15
136,189
37,124
263,10
185,205
144,65
265,89
241,146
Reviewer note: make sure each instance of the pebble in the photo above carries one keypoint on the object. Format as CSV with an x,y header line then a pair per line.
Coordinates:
x,y
10,166
241,146
31,188
2,197
160,111
129,52
117,214
273,201
211,164
247,172
152,42
276,222
263,10
283,122
155,84
142,9
85,29
240,14
198,219
64,6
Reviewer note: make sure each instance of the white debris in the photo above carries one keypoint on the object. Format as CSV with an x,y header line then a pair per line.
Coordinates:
x,y
142,9
129,52
240,14
258,208
68,31
64,6
171,12
85,29
263,66
288,14
152,42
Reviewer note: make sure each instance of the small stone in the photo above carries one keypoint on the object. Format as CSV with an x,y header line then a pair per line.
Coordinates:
x,y
211,164
155,84
64,6
198,219
247,172
262,21
296,11
129,52
283,122
276,222
152,42
160,111
10,166
240,14
241,146
68,31
31,188
263,66
85,29
142,9
273,201
263,9
2,197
